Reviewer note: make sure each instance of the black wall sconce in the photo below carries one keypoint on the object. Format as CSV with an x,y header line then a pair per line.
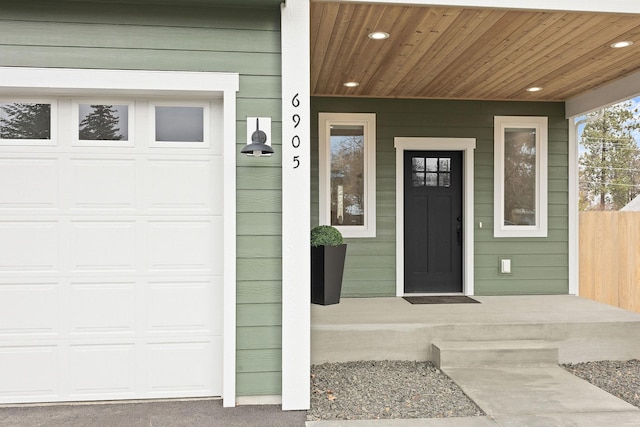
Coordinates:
x,y
259,144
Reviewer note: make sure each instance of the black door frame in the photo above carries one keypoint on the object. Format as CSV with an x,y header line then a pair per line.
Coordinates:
x,y
467,147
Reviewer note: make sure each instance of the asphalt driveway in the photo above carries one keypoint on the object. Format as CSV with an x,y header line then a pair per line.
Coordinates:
x,y
171,413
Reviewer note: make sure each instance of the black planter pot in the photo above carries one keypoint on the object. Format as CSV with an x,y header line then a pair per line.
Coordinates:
x,y
327,266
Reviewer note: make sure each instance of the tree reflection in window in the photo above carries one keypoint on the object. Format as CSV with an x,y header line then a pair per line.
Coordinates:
x,y
431,171
347,175
23,120
520,176
103,122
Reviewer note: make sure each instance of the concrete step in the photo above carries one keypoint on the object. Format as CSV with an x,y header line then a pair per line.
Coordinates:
x,y
459,354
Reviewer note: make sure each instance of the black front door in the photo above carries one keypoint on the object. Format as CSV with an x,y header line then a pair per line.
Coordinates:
x,y
432,221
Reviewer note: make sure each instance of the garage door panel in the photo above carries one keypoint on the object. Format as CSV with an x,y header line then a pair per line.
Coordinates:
x,y
28,184
103,246
181,246
181,185
103,370
28,308
29,373
29,246
103,184
102,308
182,306
185,368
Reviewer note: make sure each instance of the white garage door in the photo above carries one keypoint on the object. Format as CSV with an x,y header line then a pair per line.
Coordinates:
x,y
110,249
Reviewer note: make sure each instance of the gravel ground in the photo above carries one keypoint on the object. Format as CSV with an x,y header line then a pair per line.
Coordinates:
x,y
622,379
384,390
394,389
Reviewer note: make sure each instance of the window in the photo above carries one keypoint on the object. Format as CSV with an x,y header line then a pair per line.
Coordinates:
x,y
181,125
27,123
520,173
102,124
431,171
347,172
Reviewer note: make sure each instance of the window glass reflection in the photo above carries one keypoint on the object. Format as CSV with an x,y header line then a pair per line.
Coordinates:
x,y
347,175
101,122
24,120
520,176
179,124
417,179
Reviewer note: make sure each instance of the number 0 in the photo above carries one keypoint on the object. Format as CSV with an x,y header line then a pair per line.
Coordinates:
x,y
295,141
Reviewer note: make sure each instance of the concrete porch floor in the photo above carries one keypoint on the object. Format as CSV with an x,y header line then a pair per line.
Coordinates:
x,y
394,329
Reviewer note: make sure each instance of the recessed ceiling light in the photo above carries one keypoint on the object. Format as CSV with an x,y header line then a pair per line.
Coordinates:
x,y
351,84
534,89
621,44
379,35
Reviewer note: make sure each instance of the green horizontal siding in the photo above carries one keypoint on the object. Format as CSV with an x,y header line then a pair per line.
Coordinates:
x,y
259,383
540,266
164,15
120,36
259,337
189,37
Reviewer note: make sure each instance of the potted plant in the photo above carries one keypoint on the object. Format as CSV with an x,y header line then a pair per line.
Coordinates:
x,y
327,264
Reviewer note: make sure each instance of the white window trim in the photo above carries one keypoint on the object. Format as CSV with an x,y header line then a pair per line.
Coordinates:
x,y
74,82
368,120
540,124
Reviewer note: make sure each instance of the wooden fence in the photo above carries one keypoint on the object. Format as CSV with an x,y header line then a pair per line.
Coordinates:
x,y
610,258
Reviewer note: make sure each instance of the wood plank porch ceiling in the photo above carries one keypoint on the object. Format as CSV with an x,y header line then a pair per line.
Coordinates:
x,y
467,53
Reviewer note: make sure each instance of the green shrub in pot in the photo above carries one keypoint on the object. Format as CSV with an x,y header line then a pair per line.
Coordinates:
x,y
328,253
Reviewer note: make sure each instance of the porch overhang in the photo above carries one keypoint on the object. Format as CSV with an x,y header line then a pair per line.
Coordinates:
x,y
488,50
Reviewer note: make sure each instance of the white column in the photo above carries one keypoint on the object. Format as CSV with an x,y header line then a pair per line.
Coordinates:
x,y
296,216
574,218
229,326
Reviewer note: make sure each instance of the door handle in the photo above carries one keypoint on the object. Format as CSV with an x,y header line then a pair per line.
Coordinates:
x,y
459,230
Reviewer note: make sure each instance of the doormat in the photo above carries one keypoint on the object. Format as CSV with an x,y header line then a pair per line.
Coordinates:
x,y
442,299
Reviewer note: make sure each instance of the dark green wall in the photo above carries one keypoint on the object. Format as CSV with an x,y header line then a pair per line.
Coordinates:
x,y
162,37
540,265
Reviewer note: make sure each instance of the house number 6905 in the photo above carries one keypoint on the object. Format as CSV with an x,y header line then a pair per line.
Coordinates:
x,y
295,140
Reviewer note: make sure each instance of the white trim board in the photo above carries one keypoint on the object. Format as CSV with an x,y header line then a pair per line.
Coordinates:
x,y
71,81
467,146
603,96
296,199
162,83
574,217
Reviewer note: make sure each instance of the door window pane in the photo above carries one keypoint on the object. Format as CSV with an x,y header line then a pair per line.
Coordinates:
x,y
432,165
437,171
179,124
347,175
444,180
25,121
102,122
417,179
520,176
417,164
